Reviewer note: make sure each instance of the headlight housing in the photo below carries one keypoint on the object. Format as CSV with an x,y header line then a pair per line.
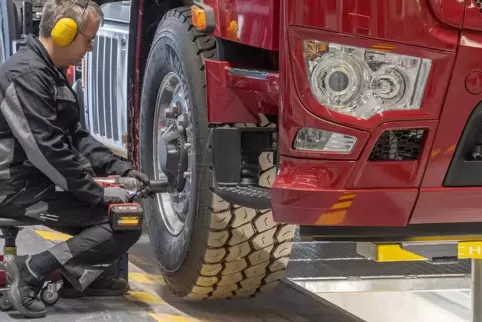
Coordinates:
x,y
362,82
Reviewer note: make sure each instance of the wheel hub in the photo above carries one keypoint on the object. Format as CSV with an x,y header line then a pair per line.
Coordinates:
x,y
172,157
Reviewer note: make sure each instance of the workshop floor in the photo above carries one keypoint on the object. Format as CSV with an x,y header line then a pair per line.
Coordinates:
x,y
150,300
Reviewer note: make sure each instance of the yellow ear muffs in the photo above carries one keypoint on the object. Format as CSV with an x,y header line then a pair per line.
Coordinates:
x,y
64,32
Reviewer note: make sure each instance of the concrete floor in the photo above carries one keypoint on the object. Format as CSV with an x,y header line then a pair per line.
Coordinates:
x,y
150,300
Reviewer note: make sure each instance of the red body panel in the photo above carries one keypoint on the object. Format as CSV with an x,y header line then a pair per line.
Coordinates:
x,y
312,192
401,21
250,22
135,94
473,17
239,97
449,11
459,202
392,186
346,190
309,185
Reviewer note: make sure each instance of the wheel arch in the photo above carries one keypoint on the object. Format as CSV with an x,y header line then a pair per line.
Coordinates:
x,y
145,15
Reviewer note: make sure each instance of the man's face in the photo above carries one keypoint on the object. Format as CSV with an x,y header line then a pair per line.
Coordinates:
x,y
84,40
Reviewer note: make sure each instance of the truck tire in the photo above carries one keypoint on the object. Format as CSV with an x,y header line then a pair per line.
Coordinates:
x,y
222,250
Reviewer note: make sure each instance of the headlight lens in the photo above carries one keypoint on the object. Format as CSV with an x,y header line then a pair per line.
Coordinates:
x,y
363,82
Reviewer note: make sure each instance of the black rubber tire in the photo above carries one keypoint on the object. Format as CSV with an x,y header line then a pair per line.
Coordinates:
x,y
229,251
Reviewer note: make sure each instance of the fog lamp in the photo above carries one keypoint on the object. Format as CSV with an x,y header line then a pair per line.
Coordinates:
x,y
323,141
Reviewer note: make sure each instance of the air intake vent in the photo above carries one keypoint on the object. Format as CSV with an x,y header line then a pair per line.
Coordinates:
x,y
398,145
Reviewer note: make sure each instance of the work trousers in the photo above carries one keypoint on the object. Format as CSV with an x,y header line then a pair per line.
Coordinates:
x,y
93,245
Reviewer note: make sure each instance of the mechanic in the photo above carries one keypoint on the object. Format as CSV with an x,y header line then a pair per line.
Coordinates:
x,y
47,163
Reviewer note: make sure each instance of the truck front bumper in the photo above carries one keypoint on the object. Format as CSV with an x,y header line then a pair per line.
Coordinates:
x,y
309,192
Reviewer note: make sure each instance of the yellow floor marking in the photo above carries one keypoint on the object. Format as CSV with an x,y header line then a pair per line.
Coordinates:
x,y
144,278
143,297
161,317
52,235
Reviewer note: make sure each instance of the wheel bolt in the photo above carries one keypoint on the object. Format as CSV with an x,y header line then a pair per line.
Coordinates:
x,y
175,197
171,111
187,174
187,145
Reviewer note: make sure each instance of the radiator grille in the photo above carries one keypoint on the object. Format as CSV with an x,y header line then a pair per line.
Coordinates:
x,y
107,86
399,145
104,77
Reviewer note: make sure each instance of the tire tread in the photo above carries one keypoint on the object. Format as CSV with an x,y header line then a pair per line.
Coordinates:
x,y
246,251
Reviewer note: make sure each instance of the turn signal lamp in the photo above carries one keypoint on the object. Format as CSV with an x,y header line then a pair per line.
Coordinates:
x,y
315,140
198,17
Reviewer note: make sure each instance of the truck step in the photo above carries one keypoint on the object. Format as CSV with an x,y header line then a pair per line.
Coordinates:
x,y
251,73
246,196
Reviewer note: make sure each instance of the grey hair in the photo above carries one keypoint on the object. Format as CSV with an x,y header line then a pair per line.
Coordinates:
x,y
54,10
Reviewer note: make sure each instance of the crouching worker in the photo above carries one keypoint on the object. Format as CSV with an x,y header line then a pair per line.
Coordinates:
x,y
43,148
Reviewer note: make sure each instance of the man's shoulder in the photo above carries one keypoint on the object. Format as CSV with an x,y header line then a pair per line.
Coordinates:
x,y
20,64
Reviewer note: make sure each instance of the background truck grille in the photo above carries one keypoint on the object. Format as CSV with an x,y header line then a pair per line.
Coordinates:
x,y
106,81
399,145
103,79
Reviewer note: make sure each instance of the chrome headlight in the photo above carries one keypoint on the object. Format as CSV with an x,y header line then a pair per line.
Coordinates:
x,y
363,82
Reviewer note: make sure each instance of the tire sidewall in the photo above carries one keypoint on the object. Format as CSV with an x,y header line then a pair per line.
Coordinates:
x,y
174,51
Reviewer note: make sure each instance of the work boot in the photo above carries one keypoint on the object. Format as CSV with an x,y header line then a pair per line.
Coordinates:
x,y
24,287
104,285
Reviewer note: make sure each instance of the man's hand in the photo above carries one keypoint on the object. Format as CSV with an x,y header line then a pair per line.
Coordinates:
x,y
115,195
139,176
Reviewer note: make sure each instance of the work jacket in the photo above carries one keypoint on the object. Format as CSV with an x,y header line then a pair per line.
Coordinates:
x,y
41,139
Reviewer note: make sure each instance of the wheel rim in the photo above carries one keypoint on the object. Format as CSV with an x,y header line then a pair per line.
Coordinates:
x,y
171,145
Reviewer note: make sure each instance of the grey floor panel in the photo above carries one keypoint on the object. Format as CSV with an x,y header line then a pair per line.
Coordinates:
x,y
288,303
334,260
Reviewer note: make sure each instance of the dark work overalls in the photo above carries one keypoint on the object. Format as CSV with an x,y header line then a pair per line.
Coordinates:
x,y
47,162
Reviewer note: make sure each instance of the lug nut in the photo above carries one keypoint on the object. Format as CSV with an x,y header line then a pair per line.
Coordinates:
x,y
171,111
175,197
187,145
187,174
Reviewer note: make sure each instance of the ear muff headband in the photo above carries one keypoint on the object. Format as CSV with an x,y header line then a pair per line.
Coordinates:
x,y
66,29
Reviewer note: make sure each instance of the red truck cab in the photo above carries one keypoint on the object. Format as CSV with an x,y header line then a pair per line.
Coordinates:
x,y
379,122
